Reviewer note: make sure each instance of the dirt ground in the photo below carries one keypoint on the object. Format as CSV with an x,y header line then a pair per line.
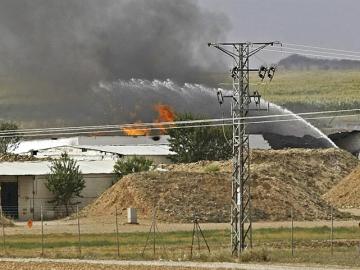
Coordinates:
x,y
39,264
97,225
68,266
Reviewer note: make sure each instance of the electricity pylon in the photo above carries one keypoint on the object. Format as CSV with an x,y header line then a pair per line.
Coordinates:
x,y
241,223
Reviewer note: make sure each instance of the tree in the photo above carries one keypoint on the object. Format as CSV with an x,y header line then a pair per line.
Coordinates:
x,y
9,143
204,143
65,181
126,166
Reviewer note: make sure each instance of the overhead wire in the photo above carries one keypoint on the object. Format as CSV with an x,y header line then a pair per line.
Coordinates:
x,y
190,126
315,51
312,54
323,52
162,124
321,48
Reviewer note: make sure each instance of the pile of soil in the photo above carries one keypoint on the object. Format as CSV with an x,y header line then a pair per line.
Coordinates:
x,y
281,180
346,194
178,196
297,179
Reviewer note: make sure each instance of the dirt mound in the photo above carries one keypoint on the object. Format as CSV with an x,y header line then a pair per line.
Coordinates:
x,y
178,196
298,179
346,194
281,179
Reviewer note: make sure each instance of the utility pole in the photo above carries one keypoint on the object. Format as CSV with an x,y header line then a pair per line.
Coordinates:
x,y
240,52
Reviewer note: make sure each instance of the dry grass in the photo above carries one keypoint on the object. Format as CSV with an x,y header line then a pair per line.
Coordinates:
x,y
271,244
61,266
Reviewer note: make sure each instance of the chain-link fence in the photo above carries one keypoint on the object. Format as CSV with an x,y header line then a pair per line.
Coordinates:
x,y
151,236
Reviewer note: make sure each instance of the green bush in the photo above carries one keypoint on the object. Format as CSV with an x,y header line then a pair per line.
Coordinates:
x,y
126,166
65,181
199,143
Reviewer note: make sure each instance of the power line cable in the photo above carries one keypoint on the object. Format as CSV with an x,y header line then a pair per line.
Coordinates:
x,y
321,48
311,54
162,124
322,52
187,126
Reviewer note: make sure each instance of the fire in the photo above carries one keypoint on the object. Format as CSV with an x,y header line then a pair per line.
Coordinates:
x,y
136,131
165,114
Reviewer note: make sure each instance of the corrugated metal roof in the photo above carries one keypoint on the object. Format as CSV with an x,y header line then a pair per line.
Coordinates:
x,y
131,150
43,167
38,144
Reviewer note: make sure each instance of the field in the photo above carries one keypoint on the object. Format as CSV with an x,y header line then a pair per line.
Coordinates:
x,y
272,243
317,89
308,90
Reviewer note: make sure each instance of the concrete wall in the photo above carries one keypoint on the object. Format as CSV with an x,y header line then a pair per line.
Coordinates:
x,y
6,178
32,194
25,196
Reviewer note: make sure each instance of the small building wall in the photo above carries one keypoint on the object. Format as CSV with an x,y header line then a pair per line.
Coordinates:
x,y
8,178
25,196
32,194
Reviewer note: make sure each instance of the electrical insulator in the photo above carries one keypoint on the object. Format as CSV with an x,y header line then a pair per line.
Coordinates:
x,y
262,72
271,72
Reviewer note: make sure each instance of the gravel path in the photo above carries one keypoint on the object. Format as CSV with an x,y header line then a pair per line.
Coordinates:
x,y
74,264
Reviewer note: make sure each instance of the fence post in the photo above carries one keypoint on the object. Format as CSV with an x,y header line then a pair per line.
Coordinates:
x,y
154,234
117,232
3,229
332,230
292,232
42,230
79,233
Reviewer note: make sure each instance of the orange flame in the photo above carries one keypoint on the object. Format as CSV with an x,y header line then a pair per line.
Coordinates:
x,y
136,131
165,114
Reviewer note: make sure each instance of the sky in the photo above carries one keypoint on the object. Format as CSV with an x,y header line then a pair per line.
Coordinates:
x,y
325,23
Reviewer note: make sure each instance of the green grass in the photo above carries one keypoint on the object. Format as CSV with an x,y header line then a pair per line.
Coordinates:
x,y
317,90
271,244
309,90
316,233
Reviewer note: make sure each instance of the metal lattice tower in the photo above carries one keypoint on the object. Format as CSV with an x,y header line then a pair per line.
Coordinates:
x,y
241,227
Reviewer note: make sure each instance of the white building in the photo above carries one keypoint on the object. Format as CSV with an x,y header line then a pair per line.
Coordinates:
x,y
23,189
38,144
156,153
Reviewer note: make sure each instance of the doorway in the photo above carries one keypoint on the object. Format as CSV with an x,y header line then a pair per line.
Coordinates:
x,y
9,199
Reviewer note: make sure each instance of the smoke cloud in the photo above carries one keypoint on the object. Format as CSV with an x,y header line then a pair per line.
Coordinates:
x,y
53,53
